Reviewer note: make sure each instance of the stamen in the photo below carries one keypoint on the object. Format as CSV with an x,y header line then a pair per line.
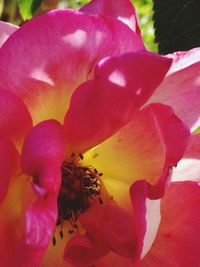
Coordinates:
x,y
54,241
80,186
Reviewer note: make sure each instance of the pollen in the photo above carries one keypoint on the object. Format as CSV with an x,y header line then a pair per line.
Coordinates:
x,y
80,186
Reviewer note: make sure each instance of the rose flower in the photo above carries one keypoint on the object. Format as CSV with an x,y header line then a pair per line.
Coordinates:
x,y
92,125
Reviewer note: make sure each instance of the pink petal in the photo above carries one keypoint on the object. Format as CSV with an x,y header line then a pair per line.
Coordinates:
x,y
42,155
113,259
143,150
121,9
6,29
146,216
180,89
189,167
177,242
82,251
40,220
54,56
15,120
108,227
100,107
9,164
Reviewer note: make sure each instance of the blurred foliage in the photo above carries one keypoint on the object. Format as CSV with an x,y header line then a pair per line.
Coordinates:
x,y
17,11
28,7
177,24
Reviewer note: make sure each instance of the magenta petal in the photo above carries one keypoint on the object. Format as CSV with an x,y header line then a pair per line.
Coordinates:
x,y
82,251
54,56
121,9
39,222
180,88
100,107
177,243
42,155
9,162
6,29
15,120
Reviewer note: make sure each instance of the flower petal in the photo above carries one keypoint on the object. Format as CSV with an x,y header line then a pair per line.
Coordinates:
x,y
177,242
15,120
100,107
82,251
122,10
146,216
112,259
180,89
143,150
6,29
40,220
54,56
42,155
189,167
9,164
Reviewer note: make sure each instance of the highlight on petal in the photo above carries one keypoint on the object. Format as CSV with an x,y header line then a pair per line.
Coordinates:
x,y
146,216
123,10
177,241
15,120
180,88
9,164
6,29
42,155
188,169
54,56
121,86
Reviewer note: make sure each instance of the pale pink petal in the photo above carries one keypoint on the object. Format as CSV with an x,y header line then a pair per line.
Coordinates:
x,y
102,106
177,243
15,120
142,150
121,9
146,217
42,156
180,88
49,57
6,29
9,164
188,169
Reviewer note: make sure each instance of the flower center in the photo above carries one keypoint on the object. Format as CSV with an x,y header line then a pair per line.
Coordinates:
x,y
80,186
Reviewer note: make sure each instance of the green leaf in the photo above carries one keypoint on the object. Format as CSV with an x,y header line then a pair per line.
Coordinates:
x,y
28,7
197,130
177,24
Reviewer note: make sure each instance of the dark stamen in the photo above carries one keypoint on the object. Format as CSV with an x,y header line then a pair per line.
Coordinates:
x,y
79,187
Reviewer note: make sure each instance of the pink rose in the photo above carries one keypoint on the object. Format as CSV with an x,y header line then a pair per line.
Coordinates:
x,y
89,143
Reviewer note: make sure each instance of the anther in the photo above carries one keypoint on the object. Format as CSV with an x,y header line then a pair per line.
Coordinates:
x,y
81,156
54,241
61,234
100,201
71,232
